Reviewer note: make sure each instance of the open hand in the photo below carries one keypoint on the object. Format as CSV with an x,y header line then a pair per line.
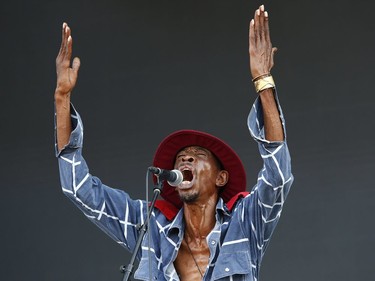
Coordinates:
x,y
66,74
260,46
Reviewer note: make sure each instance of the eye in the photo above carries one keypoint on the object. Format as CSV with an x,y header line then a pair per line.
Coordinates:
x,y
201,154
180,155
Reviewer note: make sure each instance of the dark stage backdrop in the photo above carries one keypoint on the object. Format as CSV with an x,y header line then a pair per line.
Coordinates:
x,y
152,67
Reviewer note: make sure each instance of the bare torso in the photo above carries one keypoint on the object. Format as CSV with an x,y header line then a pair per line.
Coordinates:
x,y
192,260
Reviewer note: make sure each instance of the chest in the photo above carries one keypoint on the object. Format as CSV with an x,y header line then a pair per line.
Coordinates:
x,y
225,253
192,260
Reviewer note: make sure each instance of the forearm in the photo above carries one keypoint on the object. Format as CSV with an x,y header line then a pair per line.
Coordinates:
x,y
63,119
273,128
276,170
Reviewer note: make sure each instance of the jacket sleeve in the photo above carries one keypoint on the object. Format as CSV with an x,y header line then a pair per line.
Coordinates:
x,y
263,206
110,209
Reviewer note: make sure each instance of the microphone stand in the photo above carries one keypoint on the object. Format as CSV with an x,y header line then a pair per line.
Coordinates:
x,y
128,270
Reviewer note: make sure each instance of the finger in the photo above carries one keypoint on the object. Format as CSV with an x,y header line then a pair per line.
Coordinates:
x,y
251,34
61,53
62,36
64,45
273,52
256,24
261,21
76,64
69,44
266,28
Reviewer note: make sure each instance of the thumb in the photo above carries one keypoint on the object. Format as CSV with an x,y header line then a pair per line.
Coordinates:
x,y
76,64
274,50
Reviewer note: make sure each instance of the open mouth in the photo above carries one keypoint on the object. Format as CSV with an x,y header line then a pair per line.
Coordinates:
x,y
187,175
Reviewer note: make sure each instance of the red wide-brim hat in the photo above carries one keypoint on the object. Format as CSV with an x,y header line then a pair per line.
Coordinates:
x,y
165,156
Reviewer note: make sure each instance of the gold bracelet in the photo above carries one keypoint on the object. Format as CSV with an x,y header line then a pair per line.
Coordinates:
x,y
261,76
264,83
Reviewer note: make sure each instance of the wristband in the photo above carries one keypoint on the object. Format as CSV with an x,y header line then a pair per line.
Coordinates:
x,y
261,76
263,83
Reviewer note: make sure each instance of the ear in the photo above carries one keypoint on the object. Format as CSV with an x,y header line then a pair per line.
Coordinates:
x,y
222,178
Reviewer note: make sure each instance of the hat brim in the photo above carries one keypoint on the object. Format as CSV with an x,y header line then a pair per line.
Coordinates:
x,y
167,150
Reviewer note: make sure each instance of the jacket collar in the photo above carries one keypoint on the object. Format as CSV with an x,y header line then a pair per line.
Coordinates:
x,y
170,211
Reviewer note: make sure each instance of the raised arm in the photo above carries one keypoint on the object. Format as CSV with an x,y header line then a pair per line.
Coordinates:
x,y
262,209
66,80
261,62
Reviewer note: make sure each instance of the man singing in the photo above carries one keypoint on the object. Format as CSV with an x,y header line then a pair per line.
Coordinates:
x,y
208,227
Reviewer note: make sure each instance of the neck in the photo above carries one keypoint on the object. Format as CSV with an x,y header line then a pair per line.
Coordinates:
x,y
199,220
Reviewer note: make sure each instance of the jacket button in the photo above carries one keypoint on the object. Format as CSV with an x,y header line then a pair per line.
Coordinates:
x,y
226,269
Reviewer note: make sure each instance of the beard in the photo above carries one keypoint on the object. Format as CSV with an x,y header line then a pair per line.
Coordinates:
x,y
189,197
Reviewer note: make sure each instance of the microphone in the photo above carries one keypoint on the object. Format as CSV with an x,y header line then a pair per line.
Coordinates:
x,y
173,177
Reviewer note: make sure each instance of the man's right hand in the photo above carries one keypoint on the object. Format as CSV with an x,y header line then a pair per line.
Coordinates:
x,y
66,75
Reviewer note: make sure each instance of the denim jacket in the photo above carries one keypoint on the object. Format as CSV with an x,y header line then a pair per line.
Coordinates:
x,y
241,234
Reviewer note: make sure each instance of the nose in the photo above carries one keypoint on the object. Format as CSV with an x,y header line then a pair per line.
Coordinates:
x,y
188,158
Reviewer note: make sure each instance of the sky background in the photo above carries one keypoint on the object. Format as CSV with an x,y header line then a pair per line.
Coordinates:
x,y
149,68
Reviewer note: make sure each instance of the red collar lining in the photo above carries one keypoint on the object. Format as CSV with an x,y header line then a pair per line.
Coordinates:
x,y
170,211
